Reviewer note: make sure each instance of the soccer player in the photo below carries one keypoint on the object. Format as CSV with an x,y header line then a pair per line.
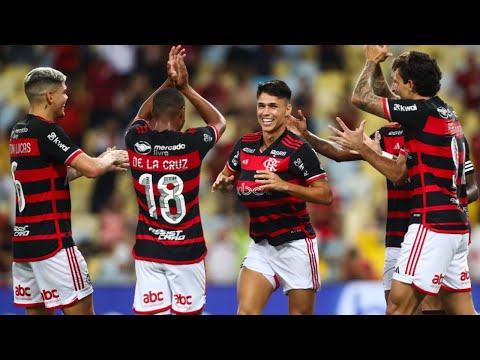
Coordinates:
x,y
165,163
49,272
433,255
388,142
388,139
276,172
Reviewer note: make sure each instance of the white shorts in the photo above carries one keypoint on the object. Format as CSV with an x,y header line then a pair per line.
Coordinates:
x,y
294,265
391,257
430,260
56,282
158,283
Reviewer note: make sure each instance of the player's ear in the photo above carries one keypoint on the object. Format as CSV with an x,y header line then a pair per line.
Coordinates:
x,y
289,110
49,97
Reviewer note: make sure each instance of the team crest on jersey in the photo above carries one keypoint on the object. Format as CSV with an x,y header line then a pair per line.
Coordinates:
x,y
142,147
271,164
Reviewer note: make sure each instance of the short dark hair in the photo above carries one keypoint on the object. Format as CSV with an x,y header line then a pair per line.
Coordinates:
x,y
422,69
276,88
40,80
168,102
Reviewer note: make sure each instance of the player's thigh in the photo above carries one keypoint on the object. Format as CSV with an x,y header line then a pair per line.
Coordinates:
x,y
391,257
296,265
458,303
26,291
257,280
457,276
81,307
63,279
432,303
253,291
188,286
404,299
152,290
301,301
424,258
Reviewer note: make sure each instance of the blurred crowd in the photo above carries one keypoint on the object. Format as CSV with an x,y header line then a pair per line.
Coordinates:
x,y
108,83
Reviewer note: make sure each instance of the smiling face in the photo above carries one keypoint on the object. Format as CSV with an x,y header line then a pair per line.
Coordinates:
x,y
59,98
272,112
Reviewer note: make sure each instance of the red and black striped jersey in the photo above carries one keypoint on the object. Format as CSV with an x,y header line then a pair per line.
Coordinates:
x,y
435,149
398,196
275,216
40,153
165,169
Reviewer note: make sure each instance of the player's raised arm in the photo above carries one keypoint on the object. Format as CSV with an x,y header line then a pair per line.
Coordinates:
x,y
145,110
179,75
370,88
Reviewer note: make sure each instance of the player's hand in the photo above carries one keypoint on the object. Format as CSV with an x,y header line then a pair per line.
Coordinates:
x,y
377,53
297,125
348,139
106,151
118,157
270,181
176,68
119,168
223,183
373,144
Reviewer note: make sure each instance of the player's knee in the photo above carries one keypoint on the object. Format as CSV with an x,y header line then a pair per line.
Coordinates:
x,y
248,310
394,309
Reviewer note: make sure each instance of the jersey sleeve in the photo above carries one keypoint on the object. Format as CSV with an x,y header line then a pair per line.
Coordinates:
x,y
133,129
204,138
306,164
58,145
469,169
233,162
410,113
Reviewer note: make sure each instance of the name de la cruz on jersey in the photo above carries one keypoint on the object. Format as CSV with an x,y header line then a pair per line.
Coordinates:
x,y
165,163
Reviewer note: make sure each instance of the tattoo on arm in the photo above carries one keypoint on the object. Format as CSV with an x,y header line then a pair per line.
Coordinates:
x,y
364,92
73,174
379,84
